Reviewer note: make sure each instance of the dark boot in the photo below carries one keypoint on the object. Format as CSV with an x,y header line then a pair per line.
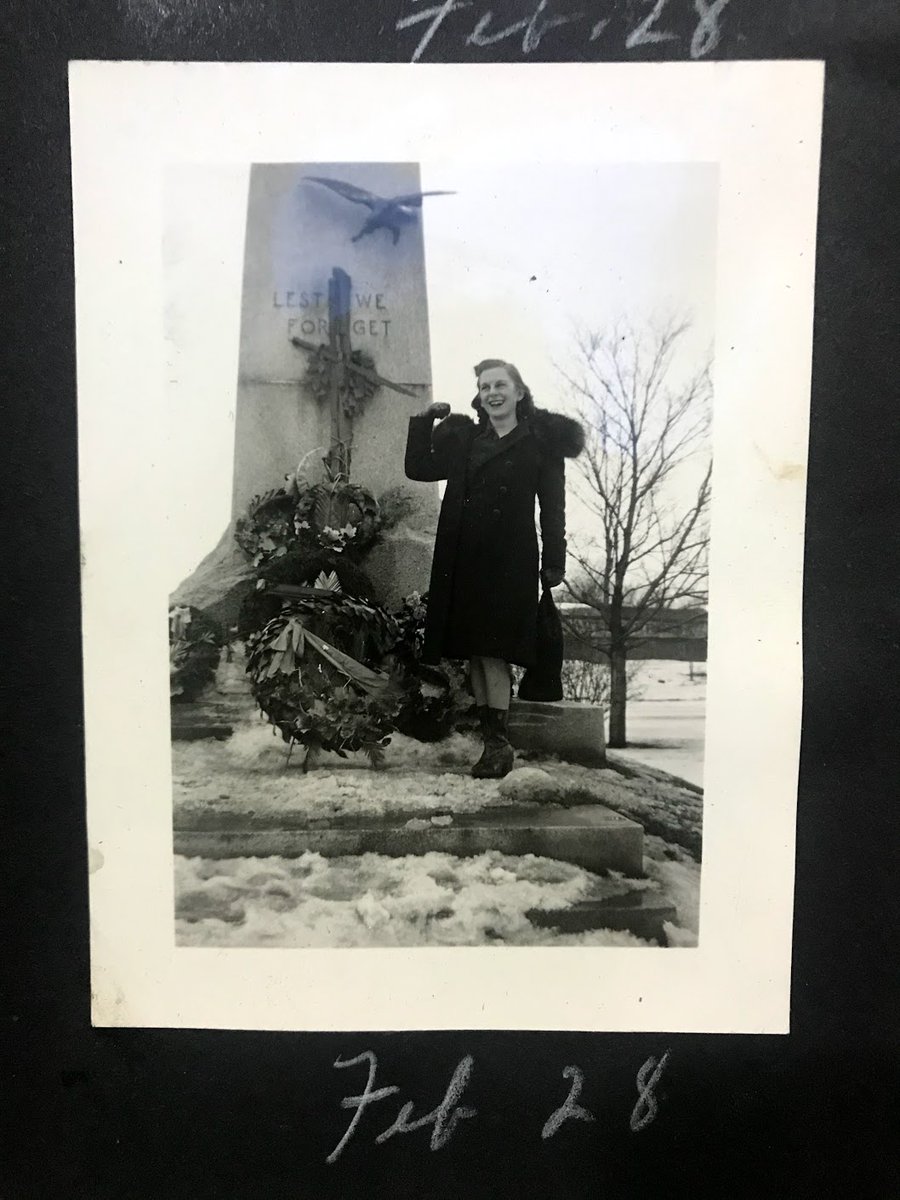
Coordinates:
x,y
498,756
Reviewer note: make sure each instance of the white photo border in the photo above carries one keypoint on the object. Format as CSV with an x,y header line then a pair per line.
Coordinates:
x,y
761,123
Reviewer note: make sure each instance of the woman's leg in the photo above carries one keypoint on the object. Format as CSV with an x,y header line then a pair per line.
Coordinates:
x,y
497,682
497,758
476,675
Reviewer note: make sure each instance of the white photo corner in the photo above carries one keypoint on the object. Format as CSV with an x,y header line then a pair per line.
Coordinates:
x,y
456,469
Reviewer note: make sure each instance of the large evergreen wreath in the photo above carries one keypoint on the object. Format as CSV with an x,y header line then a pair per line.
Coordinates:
x,y
311,675
335,515
336,673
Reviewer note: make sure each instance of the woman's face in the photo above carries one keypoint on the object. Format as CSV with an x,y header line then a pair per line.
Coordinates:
x,y
497,392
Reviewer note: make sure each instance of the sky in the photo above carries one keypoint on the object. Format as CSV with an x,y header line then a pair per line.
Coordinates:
x,y
516,259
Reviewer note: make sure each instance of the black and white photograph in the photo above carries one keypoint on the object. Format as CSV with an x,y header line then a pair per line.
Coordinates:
x,y
463,583
454,451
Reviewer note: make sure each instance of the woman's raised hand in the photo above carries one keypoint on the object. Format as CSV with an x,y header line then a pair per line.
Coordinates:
x,y
437,410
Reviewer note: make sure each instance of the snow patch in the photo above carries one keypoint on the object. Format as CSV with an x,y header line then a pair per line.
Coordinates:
x,y
371,900
256,745
525,784
678,876
679,937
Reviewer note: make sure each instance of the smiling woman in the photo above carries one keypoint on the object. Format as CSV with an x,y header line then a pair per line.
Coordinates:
x,y
483,597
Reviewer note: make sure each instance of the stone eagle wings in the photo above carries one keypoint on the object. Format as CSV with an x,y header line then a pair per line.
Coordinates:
x,y
387,212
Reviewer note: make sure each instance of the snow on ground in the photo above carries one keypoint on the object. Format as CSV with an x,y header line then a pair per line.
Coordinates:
x,y
664,679
433,899
248,774
429,900
661,806
666,719
678,876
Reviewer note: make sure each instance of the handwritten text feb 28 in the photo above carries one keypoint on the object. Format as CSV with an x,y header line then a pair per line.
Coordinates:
x,y
444,1119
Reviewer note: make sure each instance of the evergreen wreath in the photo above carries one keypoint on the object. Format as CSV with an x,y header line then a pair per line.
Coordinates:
x,y
356,390
336,516
267,528
333,672
311,673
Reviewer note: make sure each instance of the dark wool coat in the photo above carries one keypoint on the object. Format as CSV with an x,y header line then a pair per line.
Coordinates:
x,y
483,597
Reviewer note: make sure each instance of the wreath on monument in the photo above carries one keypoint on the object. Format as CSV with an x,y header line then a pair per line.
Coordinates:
x,y
335,516
332,672
338,516
356,390
267,528
310,673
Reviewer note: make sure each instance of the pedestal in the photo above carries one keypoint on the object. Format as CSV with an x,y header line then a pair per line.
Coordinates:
x,y
569,729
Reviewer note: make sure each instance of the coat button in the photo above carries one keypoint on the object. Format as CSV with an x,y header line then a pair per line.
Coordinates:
x,y
497,512
504,490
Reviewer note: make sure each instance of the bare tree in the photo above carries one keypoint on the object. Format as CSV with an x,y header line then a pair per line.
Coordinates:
x,y
648,556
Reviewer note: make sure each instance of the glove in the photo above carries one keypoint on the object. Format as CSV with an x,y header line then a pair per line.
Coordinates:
x,y
552,577
438,410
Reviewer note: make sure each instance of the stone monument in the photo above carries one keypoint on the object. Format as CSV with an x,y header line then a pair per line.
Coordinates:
x,y
334,271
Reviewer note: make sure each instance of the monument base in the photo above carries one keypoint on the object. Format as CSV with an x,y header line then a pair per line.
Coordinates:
x,y
567,728
220,583
399,564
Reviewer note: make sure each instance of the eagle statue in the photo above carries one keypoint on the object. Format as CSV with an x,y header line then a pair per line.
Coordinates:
x,y
386,212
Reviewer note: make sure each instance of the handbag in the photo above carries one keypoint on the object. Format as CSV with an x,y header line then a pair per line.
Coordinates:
x,y
543,681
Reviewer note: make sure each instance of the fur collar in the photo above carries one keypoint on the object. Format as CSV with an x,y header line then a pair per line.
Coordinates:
x,y
558,433
562,434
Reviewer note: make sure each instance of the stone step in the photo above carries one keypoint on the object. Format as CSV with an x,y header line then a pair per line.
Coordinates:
x,y
198,730
210,717
590,836
638,911
567,728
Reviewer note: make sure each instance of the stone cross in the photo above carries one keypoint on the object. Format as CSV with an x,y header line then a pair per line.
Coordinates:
x,y
339,357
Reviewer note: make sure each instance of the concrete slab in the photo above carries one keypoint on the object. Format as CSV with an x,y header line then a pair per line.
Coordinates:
x,y
591,836
567,728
